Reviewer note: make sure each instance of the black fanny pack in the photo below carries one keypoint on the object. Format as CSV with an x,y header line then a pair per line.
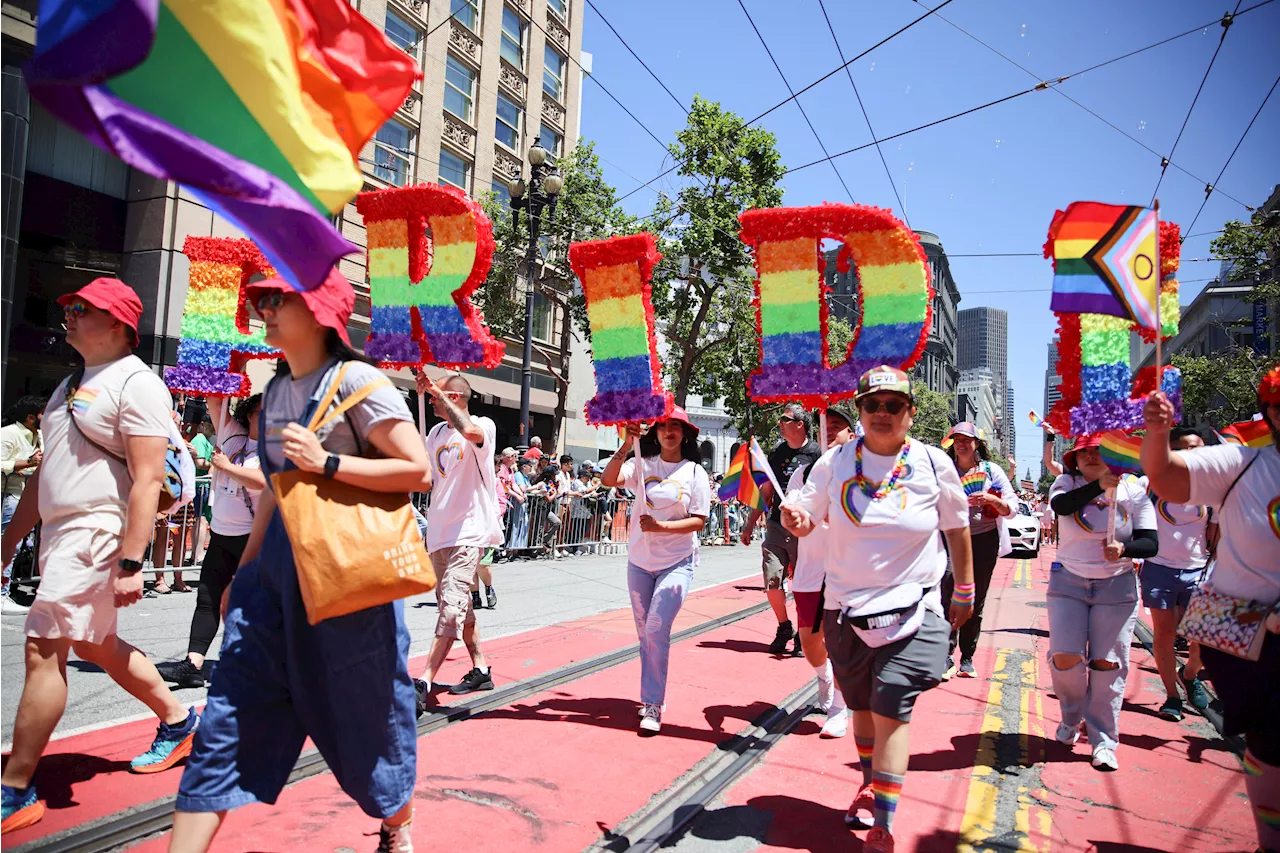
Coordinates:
x,y
870,621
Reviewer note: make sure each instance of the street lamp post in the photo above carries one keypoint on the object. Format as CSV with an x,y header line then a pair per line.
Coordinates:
x,y
544,185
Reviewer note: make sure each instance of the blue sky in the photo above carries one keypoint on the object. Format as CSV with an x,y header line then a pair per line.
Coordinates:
x,y
985,183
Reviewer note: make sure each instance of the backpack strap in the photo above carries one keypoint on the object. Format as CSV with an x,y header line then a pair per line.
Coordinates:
x,y
1247,466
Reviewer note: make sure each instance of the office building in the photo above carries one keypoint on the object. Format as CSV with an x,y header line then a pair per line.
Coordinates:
x,y
979,387
983,342
937,366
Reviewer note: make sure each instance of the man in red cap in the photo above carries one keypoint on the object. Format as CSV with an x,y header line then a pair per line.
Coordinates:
x,y
98,515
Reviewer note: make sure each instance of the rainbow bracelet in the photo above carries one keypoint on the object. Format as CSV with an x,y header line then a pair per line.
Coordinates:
x,y
963,594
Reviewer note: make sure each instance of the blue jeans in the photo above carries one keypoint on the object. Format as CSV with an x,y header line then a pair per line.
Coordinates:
x,y
10,506
517,526
1093,619
656,598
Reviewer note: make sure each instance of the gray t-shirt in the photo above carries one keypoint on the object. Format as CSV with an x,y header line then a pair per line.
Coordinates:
x,y
286,401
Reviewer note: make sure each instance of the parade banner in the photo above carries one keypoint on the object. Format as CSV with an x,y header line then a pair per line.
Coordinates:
x,y
215,337
894,286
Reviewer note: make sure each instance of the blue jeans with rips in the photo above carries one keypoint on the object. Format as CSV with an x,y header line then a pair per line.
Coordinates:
x,y
656,598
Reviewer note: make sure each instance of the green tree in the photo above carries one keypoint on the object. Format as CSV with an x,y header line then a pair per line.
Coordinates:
x,y
1222,389
1046,480
1252,248
933,416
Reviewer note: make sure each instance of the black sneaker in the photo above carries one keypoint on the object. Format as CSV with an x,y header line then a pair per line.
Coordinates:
x,y
492,595
796,651
473,681
780,639
1171,709
966,668
1180,644
476,603
182,673
421,693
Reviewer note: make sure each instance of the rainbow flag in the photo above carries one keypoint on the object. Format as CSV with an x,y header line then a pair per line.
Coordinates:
x,y
1121,452
258,107
1106,260
974,482
1036,420
741,481
1249,433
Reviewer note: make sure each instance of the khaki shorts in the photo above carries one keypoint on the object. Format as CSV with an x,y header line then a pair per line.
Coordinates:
x,y
75,599
779,553
455,569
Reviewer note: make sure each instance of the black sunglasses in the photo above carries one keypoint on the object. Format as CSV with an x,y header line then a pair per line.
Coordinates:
x,y
272,300
893,407
787,419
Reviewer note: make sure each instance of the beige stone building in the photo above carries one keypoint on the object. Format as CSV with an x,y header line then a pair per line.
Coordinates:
x,y
498,75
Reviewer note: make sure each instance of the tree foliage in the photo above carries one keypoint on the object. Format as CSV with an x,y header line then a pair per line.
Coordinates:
x,y
933,416
1045,482
1222,389
1252,249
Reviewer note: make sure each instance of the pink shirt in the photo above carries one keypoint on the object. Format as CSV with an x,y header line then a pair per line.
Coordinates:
x,y
506,479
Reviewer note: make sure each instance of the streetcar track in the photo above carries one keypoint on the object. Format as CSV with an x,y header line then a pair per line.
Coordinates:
x,y
138,823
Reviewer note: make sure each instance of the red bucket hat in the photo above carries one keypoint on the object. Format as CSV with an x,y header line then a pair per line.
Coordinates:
x,y
113,296
1084,442
331,303
679,414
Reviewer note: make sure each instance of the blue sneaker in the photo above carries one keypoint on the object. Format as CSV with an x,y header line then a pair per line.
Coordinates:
x,y
172,744
20,808
1196,694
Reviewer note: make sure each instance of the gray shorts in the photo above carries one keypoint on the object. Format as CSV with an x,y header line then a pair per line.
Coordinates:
x,y
455,569
779,552
886,680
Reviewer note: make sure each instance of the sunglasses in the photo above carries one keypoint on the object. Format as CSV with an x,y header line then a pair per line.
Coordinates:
x,y
272,301
787,419
75,309
893,407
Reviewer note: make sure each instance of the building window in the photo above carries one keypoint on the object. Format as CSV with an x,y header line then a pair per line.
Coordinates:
x,y
459,88
507,130
551,141
402,34
466,12
541,318
560,8
513,35
553,73
502,194
454,171
392,161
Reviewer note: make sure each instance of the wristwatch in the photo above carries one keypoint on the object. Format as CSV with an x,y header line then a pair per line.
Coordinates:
x,y
331,465
130,567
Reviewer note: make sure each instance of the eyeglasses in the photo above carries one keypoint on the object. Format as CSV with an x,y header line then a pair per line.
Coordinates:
x,y
272,300
788,419
75,309
893,407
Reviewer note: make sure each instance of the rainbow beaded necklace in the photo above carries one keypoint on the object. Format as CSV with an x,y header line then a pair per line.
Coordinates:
x,y
879,490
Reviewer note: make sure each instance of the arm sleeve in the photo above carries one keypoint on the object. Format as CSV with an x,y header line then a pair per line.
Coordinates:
x,y
953,506
1068,500
628,474
1212,471
796,484
813,497
145,404
1144,544
1005,488
700,500
8,453
384,404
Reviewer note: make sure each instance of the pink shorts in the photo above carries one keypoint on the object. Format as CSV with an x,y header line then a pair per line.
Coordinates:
x,y
808,610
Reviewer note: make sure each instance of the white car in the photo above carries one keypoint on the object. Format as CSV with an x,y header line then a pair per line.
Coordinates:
x,y
1024,529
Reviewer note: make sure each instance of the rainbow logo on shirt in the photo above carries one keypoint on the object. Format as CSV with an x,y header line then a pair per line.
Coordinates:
x,y
451,449
850,490
81,401
1163,509
1122,515
1273,515
654,487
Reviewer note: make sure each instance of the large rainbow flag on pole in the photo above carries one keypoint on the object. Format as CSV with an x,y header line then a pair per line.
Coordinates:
x,y
258,107
1106,261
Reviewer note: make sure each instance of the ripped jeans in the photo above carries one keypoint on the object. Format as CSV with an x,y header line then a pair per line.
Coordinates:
x,y
1093,618
656,598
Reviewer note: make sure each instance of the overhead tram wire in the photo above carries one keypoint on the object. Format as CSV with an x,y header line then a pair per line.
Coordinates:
x,y
1100,118
643,64
803,114
888,174
1209,188
1225,23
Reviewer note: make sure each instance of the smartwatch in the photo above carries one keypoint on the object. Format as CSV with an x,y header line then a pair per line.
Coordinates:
x,y
130,567
331,466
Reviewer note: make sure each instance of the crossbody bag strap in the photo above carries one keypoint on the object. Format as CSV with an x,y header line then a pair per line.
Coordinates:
x,y
356,397
73,385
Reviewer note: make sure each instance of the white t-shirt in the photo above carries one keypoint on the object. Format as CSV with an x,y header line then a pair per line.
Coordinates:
x,y
883,554
234,504
811,558
464,499
79,485
1082,535
1247,564
674,490
1184,535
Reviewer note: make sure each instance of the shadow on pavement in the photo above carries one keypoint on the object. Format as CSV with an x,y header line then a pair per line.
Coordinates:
x,y
745,646
58,772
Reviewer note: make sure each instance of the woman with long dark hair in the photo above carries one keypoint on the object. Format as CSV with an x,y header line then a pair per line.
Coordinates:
x,y
663,549
343,682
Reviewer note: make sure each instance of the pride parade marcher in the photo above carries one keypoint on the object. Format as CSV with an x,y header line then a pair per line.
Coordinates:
x,y
1093,594
1242,484
991,497
887,499
663,546
237,484
461,525
21,450
98,511
1187,534
343,682
806,588
778,553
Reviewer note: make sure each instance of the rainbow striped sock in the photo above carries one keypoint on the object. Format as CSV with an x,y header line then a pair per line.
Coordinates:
x,y
1262,782
886,787
866,748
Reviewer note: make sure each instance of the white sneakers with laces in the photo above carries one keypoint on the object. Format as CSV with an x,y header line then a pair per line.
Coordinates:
x,y
650,719
1068,735
395,839
837,724
1104,758
9,607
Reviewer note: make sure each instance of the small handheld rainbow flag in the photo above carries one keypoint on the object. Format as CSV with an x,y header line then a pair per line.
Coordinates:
x,y
1036,420
974,482
1121,452
741,482
1248,433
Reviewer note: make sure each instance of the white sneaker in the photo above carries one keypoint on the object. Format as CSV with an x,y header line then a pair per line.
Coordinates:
x,y
395,839
826,695
837,724
9,607
1104,758
1068,735
650,719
